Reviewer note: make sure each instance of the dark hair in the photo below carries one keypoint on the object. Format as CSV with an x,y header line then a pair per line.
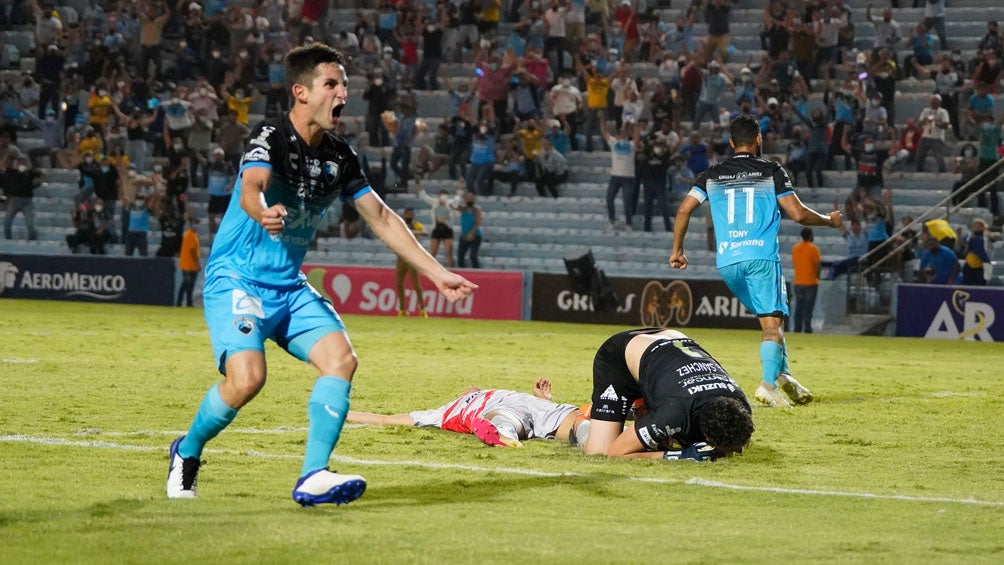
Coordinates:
x,y
806,234
744,129
302,62
726,423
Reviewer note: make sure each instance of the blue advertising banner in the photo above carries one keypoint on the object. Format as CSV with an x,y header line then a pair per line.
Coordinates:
x,y
945,312
88,278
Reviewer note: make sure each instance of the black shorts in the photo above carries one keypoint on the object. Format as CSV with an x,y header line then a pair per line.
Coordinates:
x,y
614,389
442,231
218,204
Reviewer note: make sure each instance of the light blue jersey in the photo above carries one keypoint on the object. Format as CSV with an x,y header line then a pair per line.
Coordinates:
x,y
304,179
743,193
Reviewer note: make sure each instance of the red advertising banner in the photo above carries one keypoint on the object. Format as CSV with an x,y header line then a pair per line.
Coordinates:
x,y
371,290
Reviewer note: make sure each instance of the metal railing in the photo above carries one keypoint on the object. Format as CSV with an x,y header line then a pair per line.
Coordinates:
x,y
869,289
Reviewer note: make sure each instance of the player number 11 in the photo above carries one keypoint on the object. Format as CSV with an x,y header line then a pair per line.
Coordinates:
x,y
748,192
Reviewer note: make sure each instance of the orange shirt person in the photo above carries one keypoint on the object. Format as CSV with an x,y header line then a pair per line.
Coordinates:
x,y
807,261
189,262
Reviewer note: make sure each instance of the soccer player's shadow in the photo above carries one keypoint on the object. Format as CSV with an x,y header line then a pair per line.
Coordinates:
x,y
467,490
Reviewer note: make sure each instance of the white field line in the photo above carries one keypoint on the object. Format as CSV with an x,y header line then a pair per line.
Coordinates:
x,y
43,440
252,431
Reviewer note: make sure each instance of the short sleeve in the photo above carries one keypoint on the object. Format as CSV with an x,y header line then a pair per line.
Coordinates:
x,y
262,148
700,188
352,179
782,183
660,429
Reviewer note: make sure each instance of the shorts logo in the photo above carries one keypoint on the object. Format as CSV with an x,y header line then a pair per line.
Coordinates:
x,y
244,324
609,394
246,305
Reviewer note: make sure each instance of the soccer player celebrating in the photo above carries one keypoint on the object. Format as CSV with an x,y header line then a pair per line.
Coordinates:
x,y
495,416
291,172
746,192
694,410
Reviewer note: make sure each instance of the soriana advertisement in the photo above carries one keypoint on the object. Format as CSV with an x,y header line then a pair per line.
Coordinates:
x,y
372,290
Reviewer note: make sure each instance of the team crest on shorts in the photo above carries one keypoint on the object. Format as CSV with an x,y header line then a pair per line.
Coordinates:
x,y
244,324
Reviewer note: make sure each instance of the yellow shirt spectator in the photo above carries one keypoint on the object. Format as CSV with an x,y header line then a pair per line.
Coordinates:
x,y
596,89
100,108
492,12
531,141
93,144
240,105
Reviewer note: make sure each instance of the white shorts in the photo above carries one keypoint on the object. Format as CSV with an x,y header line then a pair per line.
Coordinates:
x,y
539,418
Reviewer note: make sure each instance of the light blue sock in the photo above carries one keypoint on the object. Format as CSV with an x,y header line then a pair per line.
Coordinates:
x,y
326,409
212,417
771,357
784,358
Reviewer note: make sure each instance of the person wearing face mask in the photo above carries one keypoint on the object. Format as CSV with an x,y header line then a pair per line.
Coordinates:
x,y
19,184
241,103
52,133
876,118
564,101
100,107
470,232
441,211
746,222
975,255
981,105
934,121
552,169
655,190
967,164
432,56
482,160
89,171
276,100
870,160
152,20
378,96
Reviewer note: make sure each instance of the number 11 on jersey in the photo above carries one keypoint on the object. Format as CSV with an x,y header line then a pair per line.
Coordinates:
x,y
748,193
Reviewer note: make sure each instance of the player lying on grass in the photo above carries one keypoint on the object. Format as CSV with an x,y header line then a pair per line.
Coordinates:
x,y
495,416
690,400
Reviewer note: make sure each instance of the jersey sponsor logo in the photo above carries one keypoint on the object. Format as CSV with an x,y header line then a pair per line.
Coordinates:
x,y
256,154
247,305
741,175
260,142
610,394
262,138
710,386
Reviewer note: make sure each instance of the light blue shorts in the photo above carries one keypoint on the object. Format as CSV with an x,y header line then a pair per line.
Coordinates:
x,y
759,285
242,315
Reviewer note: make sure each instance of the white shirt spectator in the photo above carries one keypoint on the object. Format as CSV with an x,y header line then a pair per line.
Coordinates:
x,y
934,122
621,156
564,99
555,22
934,9
827,34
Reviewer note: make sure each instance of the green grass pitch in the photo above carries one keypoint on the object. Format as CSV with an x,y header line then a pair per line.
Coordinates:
x,y
899,460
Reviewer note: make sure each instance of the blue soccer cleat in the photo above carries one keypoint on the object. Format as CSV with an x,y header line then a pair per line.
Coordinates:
x,y
327,487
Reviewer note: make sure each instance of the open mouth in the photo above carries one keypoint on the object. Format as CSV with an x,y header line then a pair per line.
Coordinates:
x,y
337,112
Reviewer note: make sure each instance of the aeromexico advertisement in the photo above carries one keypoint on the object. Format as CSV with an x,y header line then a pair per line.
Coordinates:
x,y
90,278
371,290
643,302
971,313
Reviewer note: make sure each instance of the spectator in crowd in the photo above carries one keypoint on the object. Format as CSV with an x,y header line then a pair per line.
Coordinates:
x,y
138,225
716,80
493,83
870,160
623,147
938,263
404,269
886,31
52,134
552,169
597,87
511,167
990,142
981,105
658,154
462,129
482,156
189,261
817,146
401,125
967,164
19,179
85,221
975,255
827,24
797,156
557,134
946,84
933,121
934,16
556,44
923,51
471,236
220,177
564,101
807,262
906,149
441,210
857,246
230,136
717,14
432,56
